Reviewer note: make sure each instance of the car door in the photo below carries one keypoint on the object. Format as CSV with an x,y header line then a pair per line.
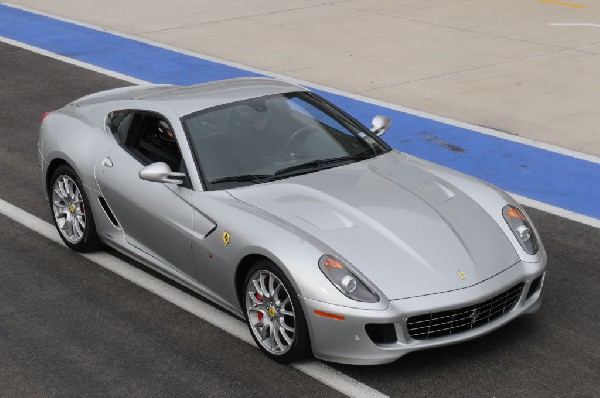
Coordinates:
x,y
156,218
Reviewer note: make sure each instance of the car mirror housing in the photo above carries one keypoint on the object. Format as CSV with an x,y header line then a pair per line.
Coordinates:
x,y
161,172
380,124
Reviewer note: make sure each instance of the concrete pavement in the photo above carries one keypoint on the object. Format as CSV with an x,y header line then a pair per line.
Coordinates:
x,y
499,64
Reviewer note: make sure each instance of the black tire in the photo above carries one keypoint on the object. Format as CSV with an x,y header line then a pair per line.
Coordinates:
x,y
300,348
90,240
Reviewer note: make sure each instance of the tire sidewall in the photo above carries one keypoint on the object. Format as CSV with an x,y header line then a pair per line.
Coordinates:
x,y
90,240
300,348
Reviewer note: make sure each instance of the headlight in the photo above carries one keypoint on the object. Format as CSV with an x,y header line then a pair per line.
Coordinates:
x,y
346,281
520,226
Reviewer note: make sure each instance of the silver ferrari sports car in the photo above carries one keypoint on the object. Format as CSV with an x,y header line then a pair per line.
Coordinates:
x,y
275,204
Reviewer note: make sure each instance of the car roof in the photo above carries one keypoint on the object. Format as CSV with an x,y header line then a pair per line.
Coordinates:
x,y
184,100
189,99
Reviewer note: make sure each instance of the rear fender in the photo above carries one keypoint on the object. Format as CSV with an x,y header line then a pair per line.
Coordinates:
x,y
68,136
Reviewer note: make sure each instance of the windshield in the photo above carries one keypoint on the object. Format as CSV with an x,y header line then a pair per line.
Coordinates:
x,y
273,137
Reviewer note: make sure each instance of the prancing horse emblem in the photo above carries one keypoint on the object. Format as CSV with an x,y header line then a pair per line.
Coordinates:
x,y
461,275
226,238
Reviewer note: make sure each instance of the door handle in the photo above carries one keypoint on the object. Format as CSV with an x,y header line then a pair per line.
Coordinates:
x,y
107,162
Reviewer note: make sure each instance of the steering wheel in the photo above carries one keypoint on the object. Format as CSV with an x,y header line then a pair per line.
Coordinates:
x,y
301,132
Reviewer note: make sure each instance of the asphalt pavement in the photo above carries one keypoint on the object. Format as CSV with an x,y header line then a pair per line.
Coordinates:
x,y
71,328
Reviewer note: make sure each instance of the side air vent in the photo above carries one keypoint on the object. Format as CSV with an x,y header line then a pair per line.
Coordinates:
x,y
109,213
535,286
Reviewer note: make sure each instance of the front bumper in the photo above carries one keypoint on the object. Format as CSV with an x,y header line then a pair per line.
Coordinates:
x,y
346,341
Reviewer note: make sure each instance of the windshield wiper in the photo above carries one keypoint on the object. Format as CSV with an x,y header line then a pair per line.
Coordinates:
x,y
319,163
255,178
315,164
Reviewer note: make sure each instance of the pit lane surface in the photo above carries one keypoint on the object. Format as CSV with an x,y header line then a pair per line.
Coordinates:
x,y
69,327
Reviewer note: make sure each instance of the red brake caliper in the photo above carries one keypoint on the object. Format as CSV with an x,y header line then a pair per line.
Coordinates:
x,y
259,298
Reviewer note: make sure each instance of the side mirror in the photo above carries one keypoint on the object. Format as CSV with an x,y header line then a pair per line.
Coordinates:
x,y
380,124
161,172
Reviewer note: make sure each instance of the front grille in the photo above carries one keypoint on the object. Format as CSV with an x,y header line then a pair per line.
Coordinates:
x,y
438,324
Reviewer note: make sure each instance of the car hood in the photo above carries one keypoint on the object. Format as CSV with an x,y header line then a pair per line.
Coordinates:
x,y
408,231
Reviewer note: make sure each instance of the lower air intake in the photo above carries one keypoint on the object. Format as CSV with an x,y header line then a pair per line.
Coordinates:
x,y
383,333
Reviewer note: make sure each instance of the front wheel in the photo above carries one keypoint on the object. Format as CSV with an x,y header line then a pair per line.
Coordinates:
x,y
274,314
71,211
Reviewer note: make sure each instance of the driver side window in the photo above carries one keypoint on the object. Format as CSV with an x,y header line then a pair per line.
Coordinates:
x,y
151,139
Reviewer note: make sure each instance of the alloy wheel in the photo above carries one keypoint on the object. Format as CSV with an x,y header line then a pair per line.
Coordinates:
x,y
68,208
270,312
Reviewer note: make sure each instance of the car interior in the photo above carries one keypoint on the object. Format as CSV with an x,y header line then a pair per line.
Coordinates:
x,y
148,136
256,136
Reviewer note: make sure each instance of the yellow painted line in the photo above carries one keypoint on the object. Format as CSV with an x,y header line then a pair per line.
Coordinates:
x,y
561,3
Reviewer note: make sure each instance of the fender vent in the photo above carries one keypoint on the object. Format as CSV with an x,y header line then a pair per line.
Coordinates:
x,y
109,213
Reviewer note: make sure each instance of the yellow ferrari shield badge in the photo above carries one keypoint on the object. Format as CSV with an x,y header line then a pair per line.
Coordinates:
x,y
226,238
461,275
271,311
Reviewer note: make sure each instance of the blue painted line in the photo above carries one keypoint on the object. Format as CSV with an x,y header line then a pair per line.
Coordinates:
x,y
129,57
546,176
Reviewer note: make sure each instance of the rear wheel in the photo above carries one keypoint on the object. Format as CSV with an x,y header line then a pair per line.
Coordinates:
x,y
71,211
274,314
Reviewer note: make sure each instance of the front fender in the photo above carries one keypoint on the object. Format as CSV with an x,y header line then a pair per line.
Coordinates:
x,y
253,231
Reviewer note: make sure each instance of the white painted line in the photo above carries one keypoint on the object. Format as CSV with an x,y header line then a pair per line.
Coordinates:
x,y
557,211
72,61
575,24
442,119
344,384
219,318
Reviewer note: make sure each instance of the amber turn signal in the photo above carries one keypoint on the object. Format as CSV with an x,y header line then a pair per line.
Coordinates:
x,y
513,212
328,315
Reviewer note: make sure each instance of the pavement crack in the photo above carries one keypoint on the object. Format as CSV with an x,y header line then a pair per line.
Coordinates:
x,y
229,19
463,70
583,48
586,51
451,27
